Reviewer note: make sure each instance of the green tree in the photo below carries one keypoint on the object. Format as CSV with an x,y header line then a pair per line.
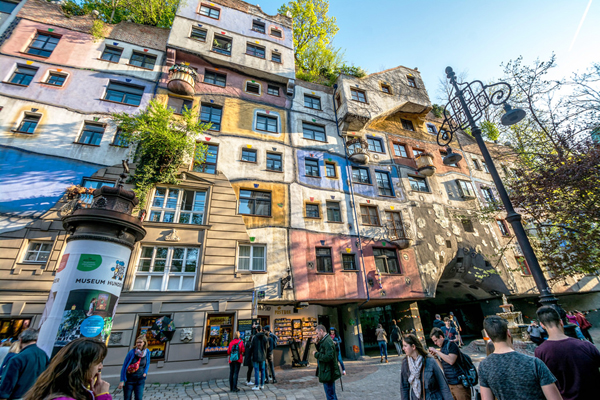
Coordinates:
x,y
146,12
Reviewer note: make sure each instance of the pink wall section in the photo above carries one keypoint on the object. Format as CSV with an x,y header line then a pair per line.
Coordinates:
x,y
347,285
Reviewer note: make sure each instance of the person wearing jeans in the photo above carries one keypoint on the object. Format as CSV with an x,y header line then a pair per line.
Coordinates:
x,y
382,341
327,363
396,337
236,358
260,348
134,371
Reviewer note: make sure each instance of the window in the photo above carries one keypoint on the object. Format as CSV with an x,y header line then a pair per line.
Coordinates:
x,y
311,167
198,34
485,167
276,57
384,183
324,262
12,327
400,150
375,145
330,170
23,75
276,32
112,54
386,88
252,88
419,184
252,258
411,81
210,12
476,164
369,215
314,132
253,202
468,225
91,134
43,45
274,162
488,195
358,95
360,175
249,155
143,60
258,26
444,153
179,105
166,268
254,50
56,79
219,333
334,214
92,184
29,123
38,252
120,139
178,206
266,123
386,261
209,166
431,129
222,45
408,125
349,262
312,102
312,211
523,265
395,226
338,100
215,78
211,114
417,152
503,227
7,7
465,188
123,93
273,90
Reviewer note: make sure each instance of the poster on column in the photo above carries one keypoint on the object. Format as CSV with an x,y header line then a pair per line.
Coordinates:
x,y
85,293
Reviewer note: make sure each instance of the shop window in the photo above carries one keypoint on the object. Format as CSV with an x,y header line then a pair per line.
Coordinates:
x,y
313,132
211,12
198,34
209,166
29,123
178,205
361,175
43,45
312,211
431,129
274,162
123,93
91,134
411,81
349,262
418,184
249,155
258,26
331,170
408,125
384,183
324,261
253,202
56,79
166,268
253,88
222,45
23,75
311,167
369,215
312,102
400,150
417,152
523,265
211,114
214,78
252,258
155,347
386,261
38,252
375,145
219,333
334,213
276,57
273,90
11,328
358,95
503,226
254,50
143,60
266,123
178,105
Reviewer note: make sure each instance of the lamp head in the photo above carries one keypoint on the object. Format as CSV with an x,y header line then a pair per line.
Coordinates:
x,y
512,116
451,158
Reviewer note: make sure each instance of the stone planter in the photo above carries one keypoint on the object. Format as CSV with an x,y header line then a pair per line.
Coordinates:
x,y
360,157
181,83
403,243
425,164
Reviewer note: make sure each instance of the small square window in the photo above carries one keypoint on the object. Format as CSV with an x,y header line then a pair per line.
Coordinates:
x,y
210,12
91,134
273,90
313,132
198,34
276,57
361,175
465,189
312,211
29,123
211,114
253,88
38,252
386,261
418,184
254,202
400,150
56,79
276,33
112,54
411,81
43,45
179,105
324,261
249,155
214,78
488,195
334,213
311,167
266,123
349,262
330,168
358,95
254,50
222,45
408,125
143,60
312,102
375,145
476,164
386,88
258,26
23,75
338,100
485,167
431,129
274,162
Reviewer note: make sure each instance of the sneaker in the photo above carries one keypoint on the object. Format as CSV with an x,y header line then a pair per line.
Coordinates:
x,y
343,372
255,388
274,381
262,387
266,381
249,383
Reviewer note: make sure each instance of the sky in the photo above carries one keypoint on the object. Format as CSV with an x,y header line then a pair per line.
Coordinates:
x,y
472,36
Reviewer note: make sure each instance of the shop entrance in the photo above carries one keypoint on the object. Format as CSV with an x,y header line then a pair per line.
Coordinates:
x,y
264,321
324,320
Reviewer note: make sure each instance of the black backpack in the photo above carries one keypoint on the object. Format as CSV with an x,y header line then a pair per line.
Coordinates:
x,y
468,373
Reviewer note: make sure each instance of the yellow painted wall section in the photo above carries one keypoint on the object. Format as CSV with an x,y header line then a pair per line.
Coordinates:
x,y
393,125
279,203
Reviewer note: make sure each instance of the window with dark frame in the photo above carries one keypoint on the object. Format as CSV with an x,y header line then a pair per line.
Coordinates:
x,y
210,12
348,262
334,213
253,88
253,202
418,184
386,88
312,102
209,166
91,134
56,79
23,75
249,155
488,194
143,60
29,123
386,261
384,183
324,261
431,129
43,45
211,113
313,132
358,95
214,78
179,105
396,227
375,145
311,167
467,225
502,225
361,175
112,54
273,90
407,124
312,211
254,50
276,57
274,162
124,93
411,81
198,34
523,265
120,139
444,153
276,33
400,150
330,169
222,45
258,26
369,215
266,123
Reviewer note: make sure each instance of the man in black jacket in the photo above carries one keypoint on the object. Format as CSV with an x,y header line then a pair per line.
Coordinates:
x,y
396,337
269,360
260,348
23,369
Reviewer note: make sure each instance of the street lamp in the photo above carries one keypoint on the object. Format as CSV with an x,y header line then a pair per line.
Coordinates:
x,y
463,111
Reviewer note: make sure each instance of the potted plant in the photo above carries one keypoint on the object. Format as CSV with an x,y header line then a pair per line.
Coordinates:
x,y
425,164
182,79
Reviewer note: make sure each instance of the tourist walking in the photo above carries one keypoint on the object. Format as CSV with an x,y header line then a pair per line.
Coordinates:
x,y
584,325
382,342
448,354
509,375
420,376
337,340
135,369
15,347
248,360
535,332
260,347
327,363
454,324
437,322
572,319
396,337
573,362
75,373
449,331
270,368
22,370
236,358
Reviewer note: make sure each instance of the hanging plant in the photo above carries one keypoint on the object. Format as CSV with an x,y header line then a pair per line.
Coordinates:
x,y
184,68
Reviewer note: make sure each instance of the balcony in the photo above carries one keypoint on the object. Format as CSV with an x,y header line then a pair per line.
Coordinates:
x,y
397,233
425,164
358,150
182,79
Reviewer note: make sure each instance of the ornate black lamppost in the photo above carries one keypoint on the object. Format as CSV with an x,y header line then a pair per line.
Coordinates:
x,y
463,111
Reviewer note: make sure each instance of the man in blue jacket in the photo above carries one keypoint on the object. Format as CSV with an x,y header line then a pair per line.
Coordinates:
x,y
23,369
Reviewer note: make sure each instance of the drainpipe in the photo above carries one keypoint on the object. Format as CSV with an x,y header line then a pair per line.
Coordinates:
x,y
362,257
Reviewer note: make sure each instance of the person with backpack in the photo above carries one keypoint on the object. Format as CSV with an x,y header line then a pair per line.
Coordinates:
x,y
337,340
236,358
449,355
396,337
270,370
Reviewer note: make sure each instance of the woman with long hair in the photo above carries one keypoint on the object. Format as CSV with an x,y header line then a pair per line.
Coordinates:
x,y
382,342
73,374
135,369
420,376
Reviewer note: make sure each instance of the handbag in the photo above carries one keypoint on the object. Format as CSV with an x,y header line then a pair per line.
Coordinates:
x,y
133,367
